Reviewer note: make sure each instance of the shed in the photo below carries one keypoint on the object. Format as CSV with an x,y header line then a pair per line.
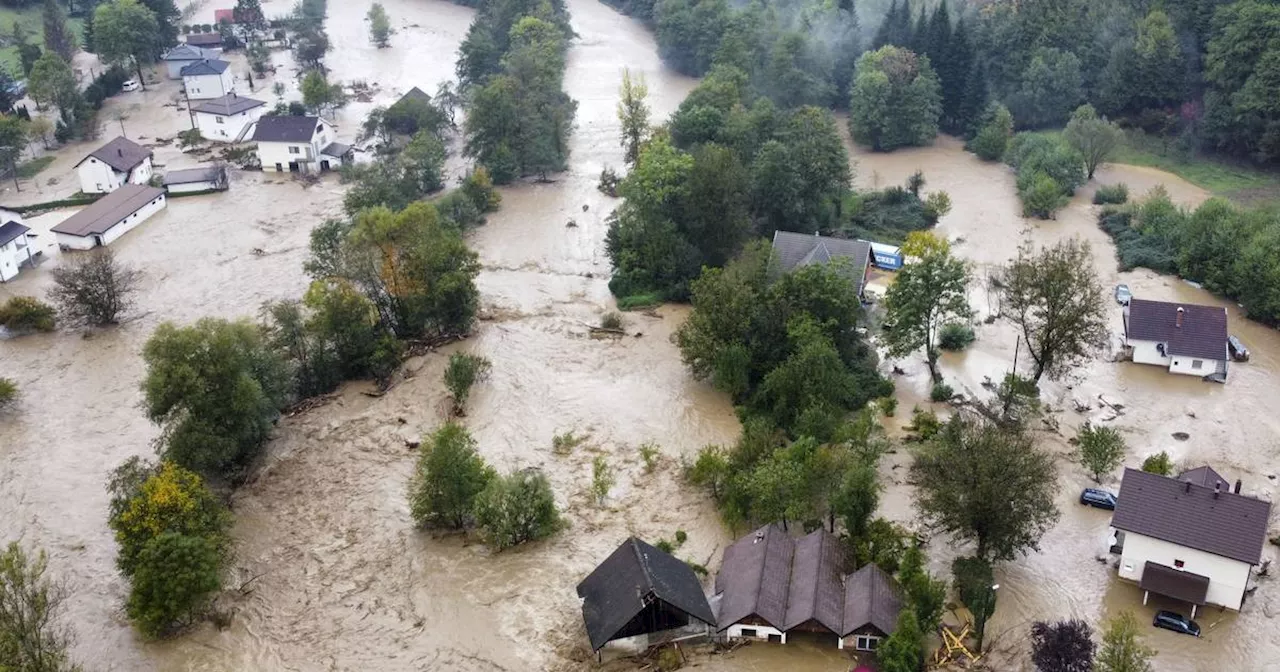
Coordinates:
x,y
208,178
639,590
206,40
109,217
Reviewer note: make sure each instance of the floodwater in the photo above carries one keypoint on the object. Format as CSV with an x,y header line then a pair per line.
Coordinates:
x,y
329,572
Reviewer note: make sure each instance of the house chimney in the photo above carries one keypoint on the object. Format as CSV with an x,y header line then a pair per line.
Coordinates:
x,y
1178,324
1237,488
1217,488
1187,488
119,151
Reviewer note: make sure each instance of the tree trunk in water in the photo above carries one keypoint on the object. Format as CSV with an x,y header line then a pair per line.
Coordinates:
x,y
142,81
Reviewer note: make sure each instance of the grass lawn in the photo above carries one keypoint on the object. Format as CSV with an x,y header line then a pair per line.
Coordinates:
x,y
33,167
30,18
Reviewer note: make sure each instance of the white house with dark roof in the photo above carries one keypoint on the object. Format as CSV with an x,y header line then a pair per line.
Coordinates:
x,y
1194,538
299,144
852,257
227,118
15,245
208,79
110,217
119,162
1182,337
183,55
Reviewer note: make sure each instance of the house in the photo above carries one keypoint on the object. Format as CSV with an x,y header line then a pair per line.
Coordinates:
x,y
207,79
112,216
771,585
209,178
227,118
298,144
116,163
794,250
183,55
1182,337
1192,538
640,590
207,41
15,245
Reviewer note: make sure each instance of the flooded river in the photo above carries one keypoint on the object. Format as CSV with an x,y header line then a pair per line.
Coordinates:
x,y
330,574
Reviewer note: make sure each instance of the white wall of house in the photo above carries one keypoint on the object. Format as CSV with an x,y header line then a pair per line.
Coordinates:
x,y
12,255
1147,352
1191,366
1227,578
141,173
226,128
860,642
190,187
112,234
203,87
97,177
760,632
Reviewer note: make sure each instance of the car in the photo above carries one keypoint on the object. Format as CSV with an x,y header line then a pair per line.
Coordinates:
x,y
18,89
1170,620
1123,295
1237,349
130,85
1098,498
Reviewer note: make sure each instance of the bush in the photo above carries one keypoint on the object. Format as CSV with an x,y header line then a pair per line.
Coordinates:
x,y
602,479
449,477
611,320
1158,464
1041,196
463,372
517,508
609,181
638,301
175,579
8,392
924,424
189,138
992,139
649,454
25,314
563,444
941,392
148,500
94,289
889,406
1111,194
955,336
31,610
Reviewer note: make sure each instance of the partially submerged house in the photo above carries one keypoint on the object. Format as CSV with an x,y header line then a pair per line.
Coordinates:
x,y
183,55
772,584
208,41
208,79
852,257
1193,538
15,245
299,144
640,590
193,180
110,217
227,118
1182,337
119,162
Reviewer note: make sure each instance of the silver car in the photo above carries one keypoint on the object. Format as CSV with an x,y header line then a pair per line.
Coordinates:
x,y
1123,295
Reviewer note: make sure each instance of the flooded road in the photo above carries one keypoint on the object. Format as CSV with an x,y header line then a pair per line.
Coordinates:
x,y
330,574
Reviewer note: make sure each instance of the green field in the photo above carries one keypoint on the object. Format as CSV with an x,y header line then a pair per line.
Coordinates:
x,y
31,23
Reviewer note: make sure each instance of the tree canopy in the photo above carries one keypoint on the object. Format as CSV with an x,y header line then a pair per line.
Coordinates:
x,y
896,99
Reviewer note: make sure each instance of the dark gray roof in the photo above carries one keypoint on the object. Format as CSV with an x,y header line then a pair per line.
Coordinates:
x,y
336,149
205,67
1175,583
628,581
870,598
206,174
186,52
755,577
414,94
10,231
1205,476
205,39
1203,332
1188,514
227,105
109,210
286,129
801,249
121,154
816,592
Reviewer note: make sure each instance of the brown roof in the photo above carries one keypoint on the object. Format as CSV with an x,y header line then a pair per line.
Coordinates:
x,y
870,598
1192,515
1175,583
109,210
1203,332
755,576
815,589
121,154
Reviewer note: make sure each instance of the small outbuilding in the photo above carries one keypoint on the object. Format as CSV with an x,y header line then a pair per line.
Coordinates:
x,y
209,178
208,79
183,55
15,246
1181,337
119,162
208,41
227,118
852,257
110,217
640,590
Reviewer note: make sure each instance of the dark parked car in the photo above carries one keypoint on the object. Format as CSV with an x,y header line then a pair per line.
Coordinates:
x,y
1123,295
1238,351
1176,622
1098,498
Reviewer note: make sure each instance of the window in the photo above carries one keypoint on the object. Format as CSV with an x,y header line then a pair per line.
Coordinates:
x,y
294,150
1178,564
866,643
749,632
1197,363
219,120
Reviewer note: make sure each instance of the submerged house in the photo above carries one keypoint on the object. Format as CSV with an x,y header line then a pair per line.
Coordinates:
x,y
299,144
853,257
772,585
109,217
640,590
1193,538
121,161
15,245
1182,337
183,55
227,118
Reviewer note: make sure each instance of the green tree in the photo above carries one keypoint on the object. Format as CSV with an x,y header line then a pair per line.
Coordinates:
x,y
1101,449
1122,647
174,582
461,374
975,584
1051,86
1158,463
926,595
379,25
449,477
633,114
602,479
58,37
989,484
896,100
858,497
1096,139
28,54
214,388
148,500
993,135
1242,69
51,82
128,32
423,163
926,295
31,638
517,508
1056,301
25,314
14,136
1147,71
319,95
902,651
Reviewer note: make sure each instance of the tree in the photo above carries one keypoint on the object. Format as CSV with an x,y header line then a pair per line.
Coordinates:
x,y
25,314
463,372
926,295
13,140
902,651
975,585
214,388
1051,86
1062,646
1158,464
51,82
41,127
857,498
167,19
150,500
379,25
173,583
319,95
423,163
1057,302
1095,138
128,32
1241,68
633,113
449,477
993,136
94,289
896,100
31,639
58,38
926,595
517,508
988,484
1101,449
8,393
1122,647
248,15
28,54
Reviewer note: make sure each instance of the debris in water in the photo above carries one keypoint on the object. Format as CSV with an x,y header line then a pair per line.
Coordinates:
x,y
572,224
1181,436
585,207
897,371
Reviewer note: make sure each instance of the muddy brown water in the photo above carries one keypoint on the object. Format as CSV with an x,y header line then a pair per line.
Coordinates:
x,y
330,574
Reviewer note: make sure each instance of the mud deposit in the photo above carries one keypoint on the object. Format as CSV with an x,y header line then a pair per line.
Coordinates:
x,y
330,574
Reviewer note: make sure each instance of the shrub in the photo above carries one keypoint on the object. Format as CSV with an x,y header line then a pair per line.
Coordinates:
x,y
609,181
924,424
563,444
611,320
955,336
649,454
25,314
1158,464
1041,196
1111,194
669,660
681,537
175,579
996,127
941,392
889,406
189,138
31,607
517,508
665,545
463,372
638,301
94,289
449,477
8,392
602,479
